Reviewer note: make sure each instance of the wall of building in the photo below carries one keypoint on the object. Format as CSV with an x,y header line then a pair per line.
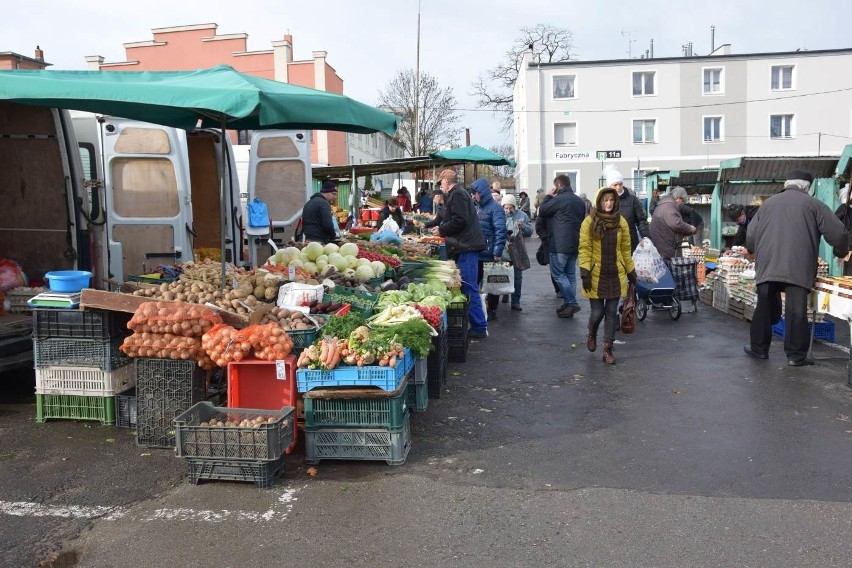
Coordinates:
x,y
11,60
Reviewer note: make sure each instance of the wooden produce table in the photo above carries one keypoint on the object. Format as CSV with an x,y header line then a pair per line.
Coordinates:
x,y
834,297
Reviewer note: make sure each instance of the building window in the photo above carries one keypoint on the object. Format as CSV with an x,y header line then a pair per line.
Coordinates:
x,y
782,77
643,83
713,129
713,81
781,126
644,131
563,86
565,134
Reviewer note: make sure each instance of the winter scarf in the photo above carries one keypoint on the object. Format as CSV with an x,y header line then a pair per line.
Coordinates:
x,y
602,221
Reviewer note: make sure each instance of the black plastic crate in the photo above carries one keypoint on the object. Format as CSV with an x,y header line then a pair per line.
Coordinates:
x,y
261,473
165,388
457,349
125,409
103,354
436,365
80,324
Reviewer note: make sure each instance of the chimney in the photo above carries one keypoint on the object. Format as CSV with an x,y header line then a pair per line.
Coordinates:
x,y
652,48
94,62
467,136
39,54
712,39
282,56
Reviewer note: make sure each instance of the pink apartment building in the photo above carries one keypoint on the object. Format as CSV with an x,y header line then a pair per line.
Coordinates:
x,y
184,48
11,60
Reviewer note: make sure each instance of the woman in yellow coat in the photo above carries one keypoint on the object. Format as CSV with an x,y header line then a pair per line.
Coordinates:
x,y
606,266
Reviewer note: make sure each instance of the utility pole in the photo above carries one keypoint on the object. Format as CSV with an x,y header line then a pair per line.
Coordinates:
x,y
417,89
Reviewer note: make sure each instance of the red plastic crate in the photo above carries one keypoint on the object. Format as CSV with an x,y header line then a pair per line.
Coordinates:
x,y
253,383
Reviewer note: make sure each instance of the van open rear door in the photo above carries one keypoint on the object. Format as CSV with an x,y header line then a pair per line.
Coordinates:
x,y
148,204
280,175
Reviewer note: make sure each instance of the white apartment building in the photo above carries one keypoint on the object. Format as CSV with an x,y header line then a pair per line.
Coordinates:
x,y
374,147
676,113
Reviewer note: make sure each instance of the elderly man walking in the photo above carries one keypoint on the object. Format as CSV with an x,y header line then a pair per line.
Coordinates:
x,y
784,236
564,213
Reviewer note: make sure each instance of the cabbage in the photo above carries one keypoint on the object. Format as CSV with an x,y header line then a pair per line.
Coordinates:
x,y
321,263
291,252
361,262
280,258
330,248
378,267
313,250
296,263
338,261
364,273
351,260
310,267
322,258
349,249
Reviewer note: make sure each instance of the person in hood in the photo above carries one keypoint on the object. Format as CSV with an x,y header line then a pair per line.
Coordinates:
x,y
463,239
784,236
631,208
492,222
667,226
317,218
742,216
518,226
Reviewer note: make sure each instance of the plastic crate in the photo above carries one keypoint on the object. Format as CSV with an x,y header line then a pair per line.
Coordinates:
x,y
387,412
104,355
81,381
261,473
418,397
457,347
385,378
363,302
18,298
706,296
195,438
268,385
165,388
80,324
457,316
125,409
824,330
358,444
72,407
421,371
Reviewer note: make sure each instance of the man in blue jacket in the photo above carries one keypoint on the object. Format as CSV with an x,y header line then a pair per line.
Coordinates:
x,y
463,239
564,213
492,221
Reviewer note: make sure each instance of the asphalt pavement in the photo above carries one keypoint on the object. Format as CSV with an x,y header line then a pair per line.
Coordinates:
x,y
684,453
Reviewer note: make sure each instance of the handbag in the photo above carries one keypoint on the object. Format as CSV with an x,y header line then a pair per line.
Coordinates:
x,y
518,253
628,310
542,255
498,278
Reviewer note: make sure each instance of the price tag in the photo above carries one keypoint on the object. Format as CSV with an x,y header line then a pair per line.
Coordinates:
x,y
280,370
291,273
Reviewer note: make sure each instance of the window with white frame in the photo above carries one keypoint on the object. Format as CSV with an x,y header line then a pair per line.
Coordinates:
x,y
713,129
565,134
563,86
781,126
637,183
644,131
643,83
572,175
713,81
782,77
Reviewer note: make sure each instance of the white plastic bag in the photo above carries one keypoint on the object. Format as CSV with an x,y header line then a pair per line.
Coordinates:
x,y
648,262
298,296
390,225
498,278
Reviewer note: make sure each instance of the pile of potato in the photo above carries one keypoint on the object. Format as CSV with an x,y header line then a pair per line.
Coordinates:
x,y
292,320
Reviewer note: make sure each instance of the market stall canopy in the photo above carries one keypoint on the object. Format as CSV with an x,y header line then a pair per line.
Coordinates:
x,y
703,178
216,96
766,175
473,154
398,165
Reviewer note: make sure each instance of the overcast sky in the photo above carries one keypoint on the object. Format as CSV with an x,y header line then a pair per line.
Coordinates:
x,y
369,41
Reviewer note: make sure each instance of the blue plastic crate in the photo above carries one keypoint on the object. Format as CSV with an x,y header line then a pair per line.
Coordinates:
x,y
386,378
824,330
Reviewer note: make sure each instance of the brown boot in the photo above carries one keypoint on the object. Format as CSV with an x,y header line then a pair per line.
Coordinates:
x,y
592,341
608,357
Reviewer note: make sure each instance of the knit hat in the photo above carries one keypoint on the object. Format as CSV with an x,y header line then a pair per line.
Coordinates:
x,y
734,211
328,186
613,176
509,199
802,175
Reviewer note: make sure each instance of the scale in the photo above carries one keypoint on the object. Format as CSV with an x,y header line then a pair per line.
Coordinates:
x,y
55,300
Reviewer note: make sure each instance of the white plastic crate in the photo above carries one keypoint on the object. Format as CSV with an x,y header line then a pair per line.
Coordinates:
x,y
83,381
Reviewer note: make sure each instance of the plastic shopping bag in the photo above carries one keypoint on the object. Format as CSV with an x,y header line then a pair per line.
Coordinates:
x,y
298,296
648,262
498,278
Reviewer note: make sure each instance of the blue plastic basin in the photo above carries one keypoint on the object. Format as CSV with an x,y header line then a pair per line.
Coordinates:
x,y
68,281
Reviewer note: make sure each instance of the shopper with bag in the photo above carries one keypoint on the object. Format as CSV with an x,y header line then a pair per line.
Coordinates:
x,y
606,266
518,228
667,226
492,222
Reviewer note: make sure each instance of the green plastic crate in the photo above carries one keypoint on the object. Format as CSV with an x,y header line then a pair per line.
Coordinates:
x,y
418,397
71,407
388,412
363,302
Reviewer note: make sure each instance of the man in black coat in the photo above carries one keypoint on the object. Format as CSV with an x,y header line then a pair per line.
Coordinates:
x,y
631,208
742,216
317,218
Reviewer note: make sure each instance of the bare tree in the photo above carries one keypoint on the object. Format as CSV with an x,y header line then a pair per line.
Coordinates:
x,y
549,44
437,124
507,151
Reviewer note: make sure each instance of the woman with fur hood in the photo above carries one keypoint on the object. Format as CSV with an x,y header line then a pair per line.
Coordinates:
x,y
606,265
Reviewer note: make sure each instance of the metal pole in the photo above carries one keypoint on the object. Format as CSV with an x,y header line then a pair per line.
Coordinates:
x,y
224,219
417,89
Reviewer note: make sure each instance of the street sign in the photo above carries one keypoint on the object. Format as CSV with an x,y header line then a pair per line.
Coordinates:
x,y
608,154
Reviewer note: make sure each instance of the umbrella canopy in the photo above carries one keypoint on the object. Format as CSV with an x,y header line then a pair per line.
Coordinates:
x,y
474,154
215,96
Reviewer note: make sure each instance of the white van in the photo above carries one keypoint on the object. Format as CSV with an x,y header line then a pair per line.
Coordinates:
x,y
160,192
